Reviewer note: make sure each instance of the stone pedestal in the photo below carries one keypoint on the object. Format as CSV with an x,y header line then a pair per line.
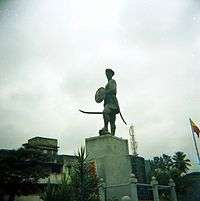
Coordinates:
x,y
112,158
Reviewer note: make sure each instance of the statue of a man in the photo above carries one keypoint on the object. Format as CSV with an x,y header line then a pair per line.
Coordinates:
x,y
111,106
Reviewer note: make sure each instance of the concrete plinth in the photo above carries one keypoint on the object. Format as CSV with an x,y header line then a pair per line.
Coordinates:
x,y
112,158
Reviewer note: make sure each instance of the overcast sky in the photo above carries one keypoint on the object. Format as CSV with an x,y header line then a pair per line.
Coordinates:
x,y
53,55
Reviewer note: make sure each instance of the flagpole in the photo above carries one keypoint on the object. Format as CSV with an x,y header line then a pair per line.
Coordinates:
x,y
195,143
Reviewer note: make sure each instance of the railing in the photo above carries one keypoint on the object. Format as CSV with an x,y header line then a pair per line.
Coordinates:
x,y
132,187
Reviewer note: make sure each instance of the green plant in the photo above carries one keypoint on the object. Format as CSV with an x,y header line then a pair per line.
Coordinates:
x,y
84,183
81,185
175,167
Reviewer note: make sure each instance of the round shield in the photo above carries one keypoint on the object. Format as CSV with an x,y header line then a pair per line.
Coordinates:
x,y
100,95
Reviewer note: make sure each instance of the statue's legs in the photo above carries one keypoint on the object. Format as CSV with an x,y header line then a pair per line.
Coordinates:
x,y
106,117
112,123
109,116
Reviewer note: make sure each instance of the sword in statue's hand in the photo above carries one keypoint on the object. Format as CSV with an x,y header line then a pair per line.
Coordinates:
x,y
85,112
99,97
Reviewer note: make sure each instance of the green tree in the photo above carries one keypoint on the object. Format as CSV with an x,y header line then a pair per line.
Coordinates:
x,y
160,168
175,167
81,185
21,167
180,162
84,182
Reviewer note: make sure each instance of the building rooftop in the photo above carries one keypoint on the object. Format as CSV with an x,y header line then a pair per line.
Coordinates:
x,y
42,142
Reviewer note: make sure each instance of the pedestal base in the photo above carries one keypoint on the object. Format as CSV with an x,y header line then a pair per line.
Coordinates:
x,y
112,158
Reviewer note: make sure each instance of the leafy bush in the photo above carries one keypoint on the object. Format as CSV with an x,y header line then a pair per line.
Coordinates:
x,y
81,185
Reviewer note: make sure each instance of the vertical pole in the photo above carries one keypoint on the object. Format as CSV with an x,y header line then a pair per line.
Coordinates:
x,y
133,188
172,190
154,184
195,143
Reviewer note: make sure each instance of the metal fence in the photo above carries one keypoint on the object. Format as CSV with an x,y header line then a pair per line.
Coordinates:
x,y
135,191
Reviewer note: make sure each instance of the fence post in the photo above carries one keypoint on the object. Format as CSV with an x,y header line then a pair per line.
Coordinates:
x,y
172,190
154,184
102,189
133,187
126,198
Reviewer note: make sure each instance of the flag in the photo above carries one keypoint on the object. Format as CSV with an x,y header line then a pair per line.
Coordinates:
x,y
195,128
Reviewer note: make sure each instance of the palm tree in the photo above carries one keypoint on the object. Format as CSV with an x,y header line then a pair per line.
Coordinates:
x,y
81,185
84,183
180,162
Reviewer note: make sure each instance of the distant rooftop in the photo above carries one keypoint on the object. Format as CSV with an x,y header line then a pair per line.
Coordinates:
x,y
66,159
43,143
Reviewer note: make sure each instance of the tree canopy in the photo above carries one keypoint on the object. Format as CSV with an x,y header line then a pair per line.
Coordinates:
x,y
20,167
165,167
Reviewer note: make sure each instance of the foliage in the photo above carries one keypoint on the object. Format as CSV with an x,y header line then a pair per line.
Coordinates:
x,y
84,181
180,162
20,167
81,185
175,167
55,192
160,167
49,193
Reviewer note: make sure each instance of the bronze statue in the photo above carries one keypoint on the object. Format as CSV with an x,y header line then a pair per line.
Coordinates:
x,y
111,106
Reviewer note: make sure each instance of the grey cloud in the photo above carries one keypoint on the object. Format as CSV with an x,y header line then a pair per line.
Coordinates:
x,y
53,57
